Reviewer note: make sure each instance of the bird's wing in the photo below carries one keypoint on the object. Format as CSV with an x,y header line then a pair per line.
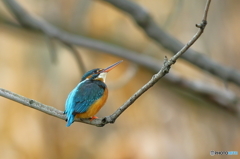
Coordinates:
x,y
84,96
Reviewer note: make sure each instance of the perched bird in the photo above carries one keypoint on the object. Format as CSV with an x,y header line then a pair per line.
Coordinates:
x,y
88,97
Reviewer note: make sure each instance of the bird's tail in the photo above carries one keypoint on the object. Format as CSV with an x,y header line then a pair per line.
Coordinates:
x,y
70,119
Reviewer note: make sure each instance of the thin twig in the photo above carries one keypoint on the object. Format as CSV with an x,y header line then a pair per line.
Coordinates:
x,y
144,20
206,11
164,70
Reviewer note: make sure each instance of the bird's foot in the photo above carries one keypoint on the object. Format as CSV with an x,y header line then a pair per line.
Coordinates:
x,y
93,117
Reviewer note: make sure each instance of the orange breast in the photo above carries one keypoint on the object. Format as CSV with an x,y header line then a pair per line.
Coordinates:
x,y
95,107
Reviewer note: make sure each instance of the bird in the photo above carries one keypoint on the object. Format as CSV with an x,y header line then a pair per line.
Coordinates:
x,y
88,97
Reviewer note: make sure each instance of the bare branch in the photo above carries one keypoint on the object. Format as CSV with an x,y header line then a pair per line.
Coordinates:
x,y
150,27
222,97
32,103
163,71
206,11
41,107
143,19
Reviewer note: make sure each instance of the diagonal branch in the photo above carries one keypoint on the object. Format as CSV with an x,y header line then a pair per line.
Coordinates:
x,y
163,71
111,119
150,27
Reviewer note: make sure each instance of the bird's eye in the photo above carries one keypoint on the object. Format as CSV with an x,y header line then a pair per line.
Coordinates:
x,y
97,71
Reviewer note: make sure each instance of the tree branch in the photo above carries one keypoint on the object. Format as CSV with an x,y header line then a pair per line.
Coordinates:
x,y
150,27
111,119
41,107
163,71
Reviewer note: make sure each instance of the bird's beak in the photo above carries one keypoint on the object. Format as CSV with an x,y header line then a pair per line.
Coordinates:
x,y
109,68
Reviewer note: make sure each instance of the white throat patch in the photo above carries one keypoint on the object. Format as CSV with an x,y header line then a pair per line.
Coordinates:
x,y
103,76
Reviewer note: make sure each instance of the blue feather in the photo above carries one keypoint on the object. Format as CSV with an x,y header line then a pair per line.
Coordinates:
x,y
69,105
82,97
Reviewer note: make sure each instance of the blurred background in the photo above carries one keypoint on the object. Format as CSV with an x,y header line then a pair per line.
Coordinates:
x,y
168,121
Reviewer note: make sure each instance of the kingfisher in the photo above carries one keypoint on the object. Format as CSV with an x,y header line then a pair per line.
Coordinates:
x,y
88,97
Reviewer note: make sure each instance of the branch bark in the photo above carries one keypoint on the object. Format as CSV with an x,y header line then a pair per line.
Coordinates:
x,y
111,119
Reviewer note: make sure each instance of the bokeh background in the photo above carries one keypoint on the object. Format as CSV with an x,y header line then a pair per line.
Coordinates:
x,y
166,122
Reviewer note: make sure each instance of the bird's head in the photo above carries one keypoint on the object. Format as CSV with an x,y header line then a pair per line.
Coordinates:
x,y
98,73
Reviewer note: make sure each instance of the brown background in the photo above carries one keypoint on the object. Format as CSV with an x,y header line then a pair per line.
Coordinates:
x,y
166,122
